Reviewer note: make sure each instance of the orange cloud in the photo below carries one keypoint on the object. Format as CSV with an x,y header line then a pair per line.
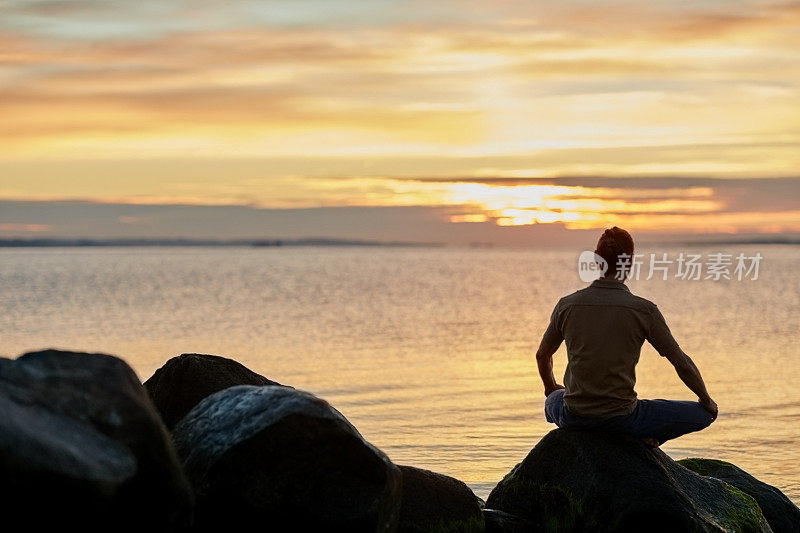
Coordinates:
x,y
507,89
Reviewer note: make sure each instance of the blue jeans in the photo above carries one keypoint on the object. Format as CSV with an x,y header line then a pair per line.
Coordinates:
x,y
658,419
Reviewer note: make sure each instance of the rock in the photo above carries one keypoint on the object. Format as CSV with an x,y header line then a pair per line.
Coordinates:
x,y
184,381
435,502
284,460
500,522
587,481
81,447
783,516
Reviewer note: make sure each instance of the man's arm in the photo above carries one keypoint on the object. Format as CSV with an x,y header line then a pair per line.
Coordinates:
x,y
691,377
551,340
665,344
544,360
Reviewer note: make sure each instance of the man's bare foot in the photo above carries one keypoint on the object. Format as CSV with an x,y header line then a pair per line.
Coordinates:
x,y
650,442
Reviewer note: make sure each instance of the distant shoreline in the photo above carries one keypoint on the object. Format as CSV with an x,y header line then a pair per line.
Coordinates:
x,y
276,243
734,242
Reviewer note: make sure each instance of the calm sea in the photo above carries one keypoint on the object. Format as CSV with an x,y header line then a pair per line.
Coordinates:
x,y
428,351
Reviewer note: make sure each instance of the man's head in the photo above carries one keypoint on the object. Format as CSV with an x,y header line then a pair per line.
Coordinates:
x,y
613,243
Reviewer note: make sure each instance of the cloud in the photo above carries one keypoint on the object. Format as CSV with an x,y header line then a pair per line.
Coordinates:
x,y
263,90
655,205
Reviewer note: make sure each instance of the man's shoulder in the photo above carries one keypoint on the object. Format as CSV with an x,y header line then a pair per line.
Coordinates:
x,y
593,296
571,297
579,296
642,301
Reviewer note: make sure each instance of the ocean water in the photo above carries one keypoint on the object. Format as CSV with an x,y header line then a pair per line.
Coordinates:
x,y
428,351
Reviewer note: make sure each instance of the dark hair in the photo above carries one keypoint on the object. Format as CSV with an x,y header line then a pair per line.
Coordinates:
x,y
613,243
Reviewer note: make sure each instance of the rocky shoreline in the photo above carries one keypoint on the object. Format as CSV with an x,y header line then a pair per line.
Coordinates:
x,y
206,444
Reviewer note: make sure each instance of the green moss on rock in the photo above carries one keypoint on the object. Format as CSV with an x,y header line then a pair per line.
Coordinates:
x,y
554,507
701,466
746,516
779,511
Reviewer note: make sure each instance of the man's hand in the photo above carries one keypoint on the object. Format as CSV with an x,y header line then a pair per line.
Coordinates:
x,y
549,390
710,406
691,377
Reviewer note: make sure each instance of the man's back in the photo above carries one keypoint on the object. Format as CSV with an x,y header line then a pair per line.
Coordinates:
x,y
604,327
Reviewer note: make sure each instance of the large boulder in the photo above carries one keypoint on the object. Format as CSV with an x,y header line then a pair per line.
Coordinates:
x,y
184,381
586,481
783,516
434,502
283,460
81,447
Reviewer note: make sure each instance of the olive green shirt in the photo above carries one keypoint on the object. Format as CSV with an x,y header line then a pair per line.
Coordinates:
x,y
604,326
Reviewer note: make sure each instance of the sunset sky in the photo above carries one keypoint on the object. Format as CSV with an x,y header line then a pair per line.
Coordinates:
x,y
377,119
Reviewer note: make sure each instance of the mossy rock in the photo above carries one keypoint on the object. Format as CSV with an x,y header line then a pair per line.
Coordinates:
x,y
782,515
553,507
746,516
585,481
704,467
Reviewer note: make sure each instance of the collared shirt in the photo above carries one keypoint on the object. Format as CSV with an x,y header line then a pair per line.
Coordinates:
x,y
604,326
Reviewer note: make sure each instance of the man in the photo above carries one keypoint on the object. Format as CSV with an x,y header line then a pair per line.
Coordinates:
x,y
604,326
